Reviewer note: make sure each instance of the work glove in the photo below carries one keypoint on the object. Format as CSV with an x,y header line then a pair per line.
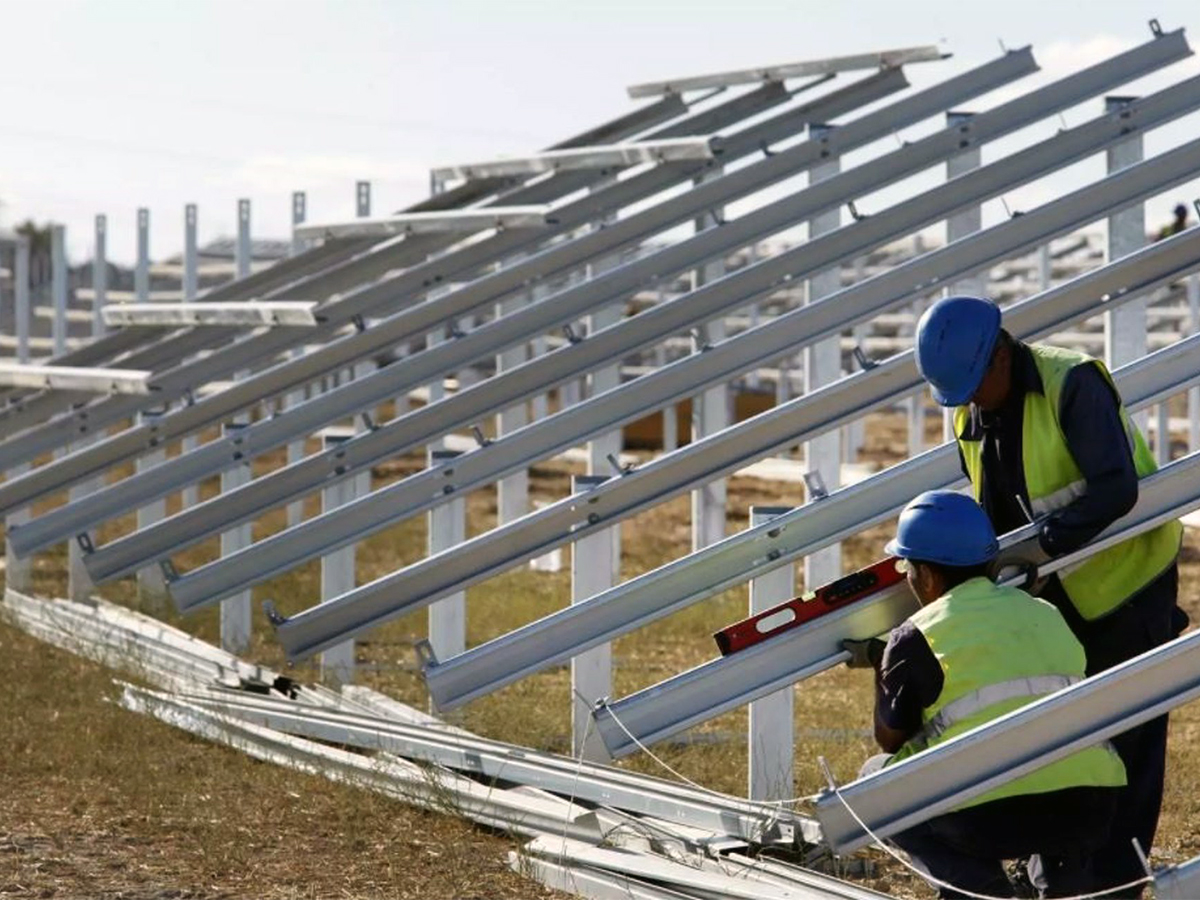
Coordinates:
x,y
1025,558
866,654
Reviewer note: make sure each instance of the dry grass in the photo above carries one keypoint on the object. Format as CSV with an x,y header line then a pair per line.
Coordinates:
x,y
177,813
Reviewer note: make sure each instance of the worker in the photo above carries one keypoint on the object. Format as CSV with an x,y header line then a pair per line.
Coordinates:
x,y
974,652
1043,437
1180,223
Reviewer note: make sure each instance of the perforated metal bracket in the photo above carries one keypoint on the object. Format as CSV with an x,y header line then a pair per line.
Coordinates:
x,y
84,540
480,438
169,572
425,655
854,213
864,362
816,485
1156,30
273,615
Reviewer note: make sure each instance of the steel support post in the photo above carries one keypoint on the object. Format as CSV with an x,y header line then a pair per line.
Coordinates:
x,y
190,495
100,275
1125,328
18,570
681,583
58,287
592,567
362,199
823,366
1193,395
79,583
235,610
295,449
447,526
854,435
710,408
337,577
243,253
771,739
152,586
512,491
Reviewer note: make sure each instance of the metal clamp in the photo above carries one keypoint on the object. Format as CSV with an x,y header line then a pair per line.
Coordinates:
x,y
480,438
273,615
816,485
426,658
854,213
865,362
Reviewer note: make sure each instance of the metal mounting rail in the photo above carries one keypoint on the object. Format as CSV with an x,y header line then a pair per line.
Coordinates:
x,y
751,553
882,59
1094,710
69,378
460,220
416,428
406,288
251,314
611,156
401,375
697,463
335,252
729,682
370,262
1180,882
480,757
499,549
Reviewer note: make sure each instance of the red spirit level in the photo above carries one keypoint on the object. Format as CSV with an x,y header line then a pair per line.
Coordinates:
x,y
810,605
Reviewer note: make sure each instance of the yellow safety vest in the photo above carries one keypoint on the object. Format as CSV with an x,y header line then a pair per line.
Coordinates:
x,y
1104,581
1000,649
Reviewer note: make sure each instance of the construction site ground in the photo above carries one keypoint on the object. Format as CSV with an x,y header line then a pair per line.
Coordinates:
x,y
98,802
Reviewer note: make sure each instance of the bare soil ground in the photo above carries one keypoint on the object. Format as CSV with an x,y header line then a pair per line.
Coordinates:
x,y
97,802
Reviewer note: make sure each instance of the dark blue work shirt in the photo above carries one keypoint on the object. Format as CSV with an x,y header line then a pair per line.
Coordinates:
x,y
910,679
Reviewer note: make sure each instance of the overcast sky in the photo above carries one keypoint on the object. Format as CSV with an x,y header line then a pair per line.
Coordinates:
x,y
114,104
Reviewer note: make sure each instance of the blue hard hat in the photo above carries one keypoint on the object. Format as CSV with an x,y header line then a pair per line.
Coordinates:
x,y
955,339
944,527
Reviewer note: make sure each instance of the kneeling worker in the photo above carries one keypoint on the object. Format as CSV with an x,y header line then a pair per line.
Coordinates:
x,y
1044,437
974,652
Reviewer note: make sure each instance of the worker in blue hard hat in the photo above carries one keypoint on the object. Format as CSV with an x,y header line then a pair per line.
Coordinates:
x,y
1044,437
974,652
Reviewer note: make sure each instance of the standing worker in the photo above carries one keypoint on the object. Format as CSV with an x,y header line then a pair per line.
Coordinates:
x,y
1044,437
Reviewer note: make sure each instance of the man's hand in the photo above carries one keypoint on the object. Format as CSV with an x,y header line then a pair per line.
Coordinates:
x,y
866,654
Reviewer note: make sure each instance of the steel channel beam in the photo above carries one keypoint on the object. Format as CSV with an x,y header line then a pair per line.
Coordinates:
x,y
751,553
712,457
1181,882
722,453
1046,730
251,313
367,261
382,336
724,684
463,221
332,252
414,429
479,757
594,157
396,291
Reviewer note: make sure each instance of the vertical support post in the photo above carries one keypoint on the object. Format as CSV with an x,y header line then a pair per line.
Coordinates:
x,y
190,495
235,610
538,403
1125,327
18,572
242,259
141,269
58,286
512,490
608,445
79,583
822,366
151,584
1193,401
337,576
447,525
437,387
592,568
771,744
295,449
1045,267
962,224
710,409
362,199
100,275
854,434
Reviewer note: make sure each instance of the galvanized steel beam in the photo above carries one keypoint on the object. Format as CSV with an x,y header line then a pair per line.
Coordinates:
x,y
597,157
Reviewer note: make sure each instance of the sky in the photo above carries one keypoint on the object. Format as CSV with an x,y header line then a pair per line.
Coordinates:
x,y
114,105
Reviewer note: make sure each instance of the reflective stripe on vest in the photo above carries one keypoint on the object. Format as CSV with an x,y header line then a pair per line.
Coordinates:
x,y
989,695
1102,582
